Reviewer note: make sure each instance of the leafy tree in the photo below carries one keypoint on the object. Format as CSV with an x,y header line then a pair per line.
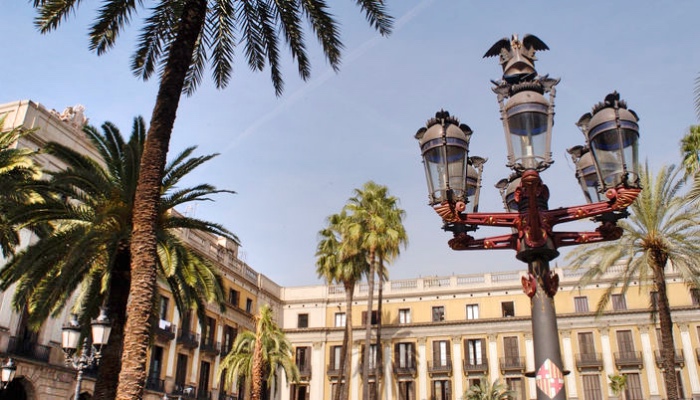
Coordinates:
x,y
483,391
340,260
180,39
618,384
17,172
88,249
662,232
375,222
690,150
257,356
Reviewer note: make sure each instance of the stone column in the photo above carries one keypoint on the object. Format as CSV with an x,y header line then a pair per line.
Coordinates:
x,y
217,359
422,370
649,364
568,359
172,354
530,366
195,358
608,364
354,381
457,366
318,373
388,380
493,358
689,356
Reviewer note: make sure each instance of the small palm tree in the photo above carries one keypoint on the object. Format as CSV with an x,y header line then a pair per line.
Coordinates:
x,y
90,212
17,173
618,384
257,356
340,260
661,232
483,391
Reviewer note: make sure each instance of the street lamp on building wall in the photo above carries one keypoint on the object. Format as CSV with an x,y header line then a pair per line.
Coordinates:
x,y
89,354
7,373
606,170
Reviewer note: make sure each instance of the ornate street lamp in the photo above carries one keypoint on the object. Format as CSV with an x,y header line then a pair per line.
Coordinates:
x,y
89,355
7,373
606,170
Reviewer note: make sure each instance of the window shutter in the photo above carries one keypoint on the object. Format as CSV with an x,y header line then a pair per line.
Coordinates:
x,y
436,353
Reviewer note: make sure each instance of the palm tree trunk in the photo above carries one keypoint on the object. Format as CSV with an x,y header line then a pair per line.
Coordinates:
x,y
380,351
257,371
143,244
668,349
346,349
368,325
110,364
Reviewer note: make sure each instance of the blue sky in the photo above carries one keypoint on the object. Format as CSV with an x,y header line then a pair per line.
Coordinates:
x,y
296,159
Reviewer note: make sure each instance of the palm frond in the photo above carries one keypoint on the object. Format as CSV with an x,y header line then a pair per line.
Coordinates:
x,y
111,17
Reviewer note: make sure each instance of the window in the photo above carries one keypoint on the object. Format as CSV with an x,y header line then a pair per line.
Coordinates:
x,y
695,297
300,392
404,355
438,314
619,302
156,363
303,321
508,309
233,297
633,391
375,317
472,311
591,387
679,384
475,351
230,334
516,385
407,390
302,358
249,306
625,344
441,353
581,304
511,351
372,362
336,352
441,390
586,346
203,388
404,316
340,319
210,330
654,299
181,371
163,308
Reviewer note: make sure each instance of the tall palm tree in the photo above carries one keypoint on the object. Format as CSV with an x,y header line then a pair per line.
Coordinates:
x,y
91,210
179,39
341,261
376,223
690,153
17,172
662,232
485,391
257,356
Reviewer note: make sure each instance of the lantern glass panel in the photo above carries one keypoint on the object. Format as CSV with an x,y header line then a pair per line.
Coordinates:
x,y
615,151
446,167
528,126
472,188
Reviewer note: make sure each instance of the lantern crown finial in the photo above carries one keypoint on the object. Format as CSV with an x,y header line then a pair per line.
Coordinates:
x,y
517,57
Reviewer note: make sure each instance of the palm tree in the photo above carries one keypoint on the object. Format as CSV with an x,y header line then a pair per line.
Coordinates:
x,y
257,356
483,391
91,210
618,384
17,172
376,223
661,232
179,39
340,260
690,152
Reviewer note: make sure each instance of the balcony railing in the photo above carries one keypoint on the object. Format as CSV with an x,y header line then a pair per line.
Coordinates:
x,y
406,369
334,370
304,372
165,330
476,366
629,359
208,345
225,349
28,349
184,391
188,339
224,396
589,360
679,359
512,364
155,384
440,367
203,395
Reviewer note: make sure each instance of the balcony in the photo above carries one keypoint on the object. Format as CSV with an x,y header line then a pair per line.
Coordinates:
x,y
304,372
155,384
679,359
334,370
184,392
628,359
208,345
28,349
589,360
440,367
476,366
512,364
188,339
225,349
165,330
406,369
203,396
224,396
